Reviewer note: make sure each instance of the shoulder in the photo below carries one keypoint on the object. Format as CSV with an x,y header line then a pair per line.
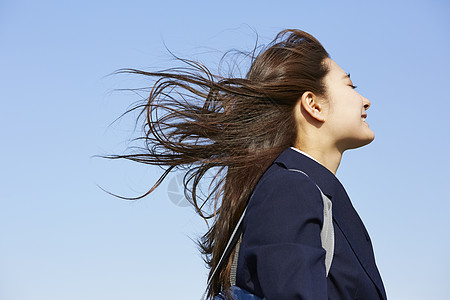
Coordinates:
x,y
286,207
282,180
286,189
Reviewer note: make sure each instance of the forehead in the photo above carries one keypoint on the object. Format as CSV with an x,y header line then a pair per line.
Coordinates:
x,y
334,71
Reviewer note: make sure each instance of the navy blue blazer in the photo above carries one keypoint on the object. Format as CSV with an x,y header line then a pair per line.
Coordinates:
x,y
281,255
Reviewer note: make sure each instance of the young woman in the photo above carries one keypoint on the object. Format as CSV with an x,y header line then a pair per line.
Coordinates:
x,y
274,139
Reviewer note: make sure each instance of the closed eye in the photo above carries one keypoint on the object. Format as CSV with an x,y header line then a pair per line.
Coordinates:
x,y
353,86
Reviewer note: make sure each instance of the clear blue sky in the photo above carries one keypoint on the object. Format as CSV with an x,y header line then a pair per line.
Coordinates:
x,y
61,237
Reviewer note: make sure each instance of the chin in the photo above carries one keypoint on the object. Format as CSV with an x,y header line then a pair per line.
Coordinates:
x,y
358,143
367,141
370,138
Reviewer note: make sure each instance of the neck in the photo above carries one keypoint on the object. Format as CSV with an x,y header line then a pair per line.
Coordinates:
x,y
327,156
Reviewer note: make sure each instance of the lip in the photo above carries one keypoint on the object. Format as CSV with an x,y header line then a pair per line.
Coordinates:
x,y
363,118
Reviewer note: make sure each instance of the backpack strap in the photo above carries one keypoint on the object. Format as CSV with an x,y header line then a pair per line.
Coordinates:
x,y
327,232
235,261
234,239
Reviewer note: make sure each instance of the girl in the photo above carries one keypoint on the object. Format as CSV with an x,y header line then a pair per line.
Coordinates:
x,y
274,140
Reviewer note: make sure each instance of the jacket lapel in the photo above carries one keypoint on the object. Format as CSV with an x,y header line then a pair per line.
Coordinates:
x,y
348,220
344,214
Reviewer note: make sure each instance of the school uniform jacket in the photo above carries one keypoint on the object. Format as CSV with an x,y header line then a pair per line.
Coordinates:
x,y
281,256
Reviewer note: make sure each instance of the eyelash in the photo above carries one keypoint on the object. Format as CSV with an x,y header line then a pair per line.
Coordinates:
x,y
353,86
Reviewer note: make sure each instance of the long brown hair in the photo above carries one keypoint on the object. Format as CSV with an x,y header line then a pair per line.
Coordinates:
x,y
233,127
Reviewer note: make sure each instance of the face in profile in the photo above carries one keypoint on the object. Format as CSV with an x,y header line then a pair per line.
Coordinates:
x,y
347,110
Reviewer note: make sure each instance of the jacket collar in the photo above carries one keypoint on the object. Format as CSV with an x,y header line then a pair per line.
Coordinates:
x,y
344,214
320,175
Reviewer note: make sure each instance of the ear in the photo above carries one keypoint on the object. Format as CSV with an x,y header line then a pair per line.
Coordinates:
x,y
309,103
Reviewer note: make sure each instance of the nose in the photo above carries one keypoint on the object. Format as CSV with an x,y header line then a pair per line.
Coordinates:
x,y
366,103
